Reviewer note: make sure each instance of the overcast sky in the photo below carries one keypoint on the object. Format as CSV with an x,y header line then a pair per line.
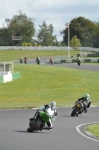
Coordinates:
x,y
55,12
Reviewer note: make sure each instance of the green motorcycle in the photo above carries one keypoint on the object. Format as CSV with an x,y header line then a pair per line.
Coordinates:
x,y
38,123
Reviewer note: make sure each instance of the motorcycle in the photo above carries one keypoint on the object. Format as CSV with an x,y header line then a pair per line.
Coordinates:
x,y
51,62
38,61
38,123
78,62
21,60
77,109
25,60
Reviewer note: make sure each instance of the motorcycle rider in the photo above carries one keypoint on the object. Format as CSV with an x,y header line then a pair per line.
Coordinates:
x,y
50,110
21,60
86,102
25,59
38,60
51,60
78,60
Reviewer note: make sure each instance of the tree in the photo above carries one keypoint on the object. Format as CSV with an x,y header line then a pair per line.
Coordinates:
x,y
21,25
5,37
75,42
96,40
96,37
45,35
85,30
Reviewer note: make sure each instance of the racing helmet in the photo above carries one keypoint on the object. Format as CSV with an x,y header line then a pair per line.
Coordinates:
x,y
53,105
87,96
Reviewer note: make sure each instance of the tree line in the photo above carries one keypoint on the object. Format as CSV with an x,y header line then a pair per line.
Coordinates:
x,y
85,30
20,30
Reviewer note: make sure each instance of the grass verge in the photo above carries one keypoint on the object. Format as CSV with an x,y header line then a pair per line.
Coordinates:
x,y
11,55
42,84
94,129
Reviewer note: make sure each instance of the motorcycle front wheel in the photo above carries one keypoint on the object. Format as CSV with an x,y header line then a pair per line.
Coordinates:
x,y
29,129
74,112
35,126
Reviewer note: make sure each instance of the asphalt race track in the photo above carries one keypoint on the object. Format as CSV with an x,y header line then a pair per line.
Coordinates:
x,y
68,132
83,66
64,136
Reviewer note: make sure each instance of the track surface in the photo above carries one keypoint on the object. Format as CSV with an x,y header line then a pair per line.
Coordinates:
x,y
83,66
14,123
13,134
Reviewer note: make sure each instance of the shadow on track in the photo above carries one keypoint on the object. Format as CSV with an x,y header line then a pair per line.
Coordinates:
x,y
20,131
70,116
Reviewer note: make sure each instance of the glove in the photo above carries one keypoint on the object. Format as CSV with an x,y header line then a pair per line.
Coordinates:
x,y
55,113
31,119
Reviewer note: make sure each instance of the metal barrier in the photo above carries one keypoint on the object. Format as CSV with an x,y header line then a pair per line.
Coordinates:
x,y
90,49
75,60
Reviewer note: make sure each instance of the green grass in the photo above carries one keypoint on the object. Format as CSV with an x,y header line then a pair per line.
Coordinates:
x,y
94,129
11,55
42,84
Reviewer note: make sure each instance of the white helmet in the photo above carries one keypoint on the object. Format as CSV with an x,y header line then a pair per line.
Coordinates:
x,y
53,105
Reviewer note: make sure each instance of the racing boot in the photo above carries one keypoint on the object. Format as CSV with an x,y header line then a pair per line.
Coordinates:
x,y
85,110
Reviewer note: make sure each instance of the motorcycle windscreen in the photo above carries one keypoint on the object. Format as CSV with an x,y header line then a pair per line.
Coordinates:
x,y
44,116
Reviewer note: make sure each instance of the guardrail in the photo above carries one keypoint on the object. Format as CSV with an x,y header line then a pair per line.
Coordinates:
x,y
90,49
59,61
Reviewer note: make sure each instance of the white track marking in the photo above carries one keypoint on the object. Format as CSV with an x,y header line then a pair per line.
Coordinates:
x,y
78,130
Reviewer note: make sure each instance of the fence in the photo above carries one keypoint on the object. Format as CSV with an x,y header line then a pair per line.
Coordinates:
x,y
47,48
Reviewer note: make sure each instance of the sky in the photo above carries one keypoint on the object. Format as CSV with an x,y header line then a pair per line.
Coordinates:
x,y
55,12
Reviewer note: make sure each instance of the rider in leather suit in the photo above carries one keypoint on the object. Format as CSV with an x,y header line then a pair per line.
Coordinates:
x,y
50,110
86,101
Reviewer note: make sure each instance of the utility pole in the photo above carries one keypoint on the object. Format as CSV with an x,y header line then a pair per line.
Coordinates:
x,y
67,26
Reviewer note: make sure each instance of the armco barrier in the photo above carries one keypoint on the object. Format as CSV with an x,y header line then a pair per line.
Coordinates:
x,y
75,60
63,61
90,49
98,60
1,79
16,75
57,61
87,60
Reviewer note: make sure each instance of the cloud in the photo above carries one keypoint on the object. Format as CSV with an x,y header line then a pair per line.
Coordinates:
x,y
55,12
